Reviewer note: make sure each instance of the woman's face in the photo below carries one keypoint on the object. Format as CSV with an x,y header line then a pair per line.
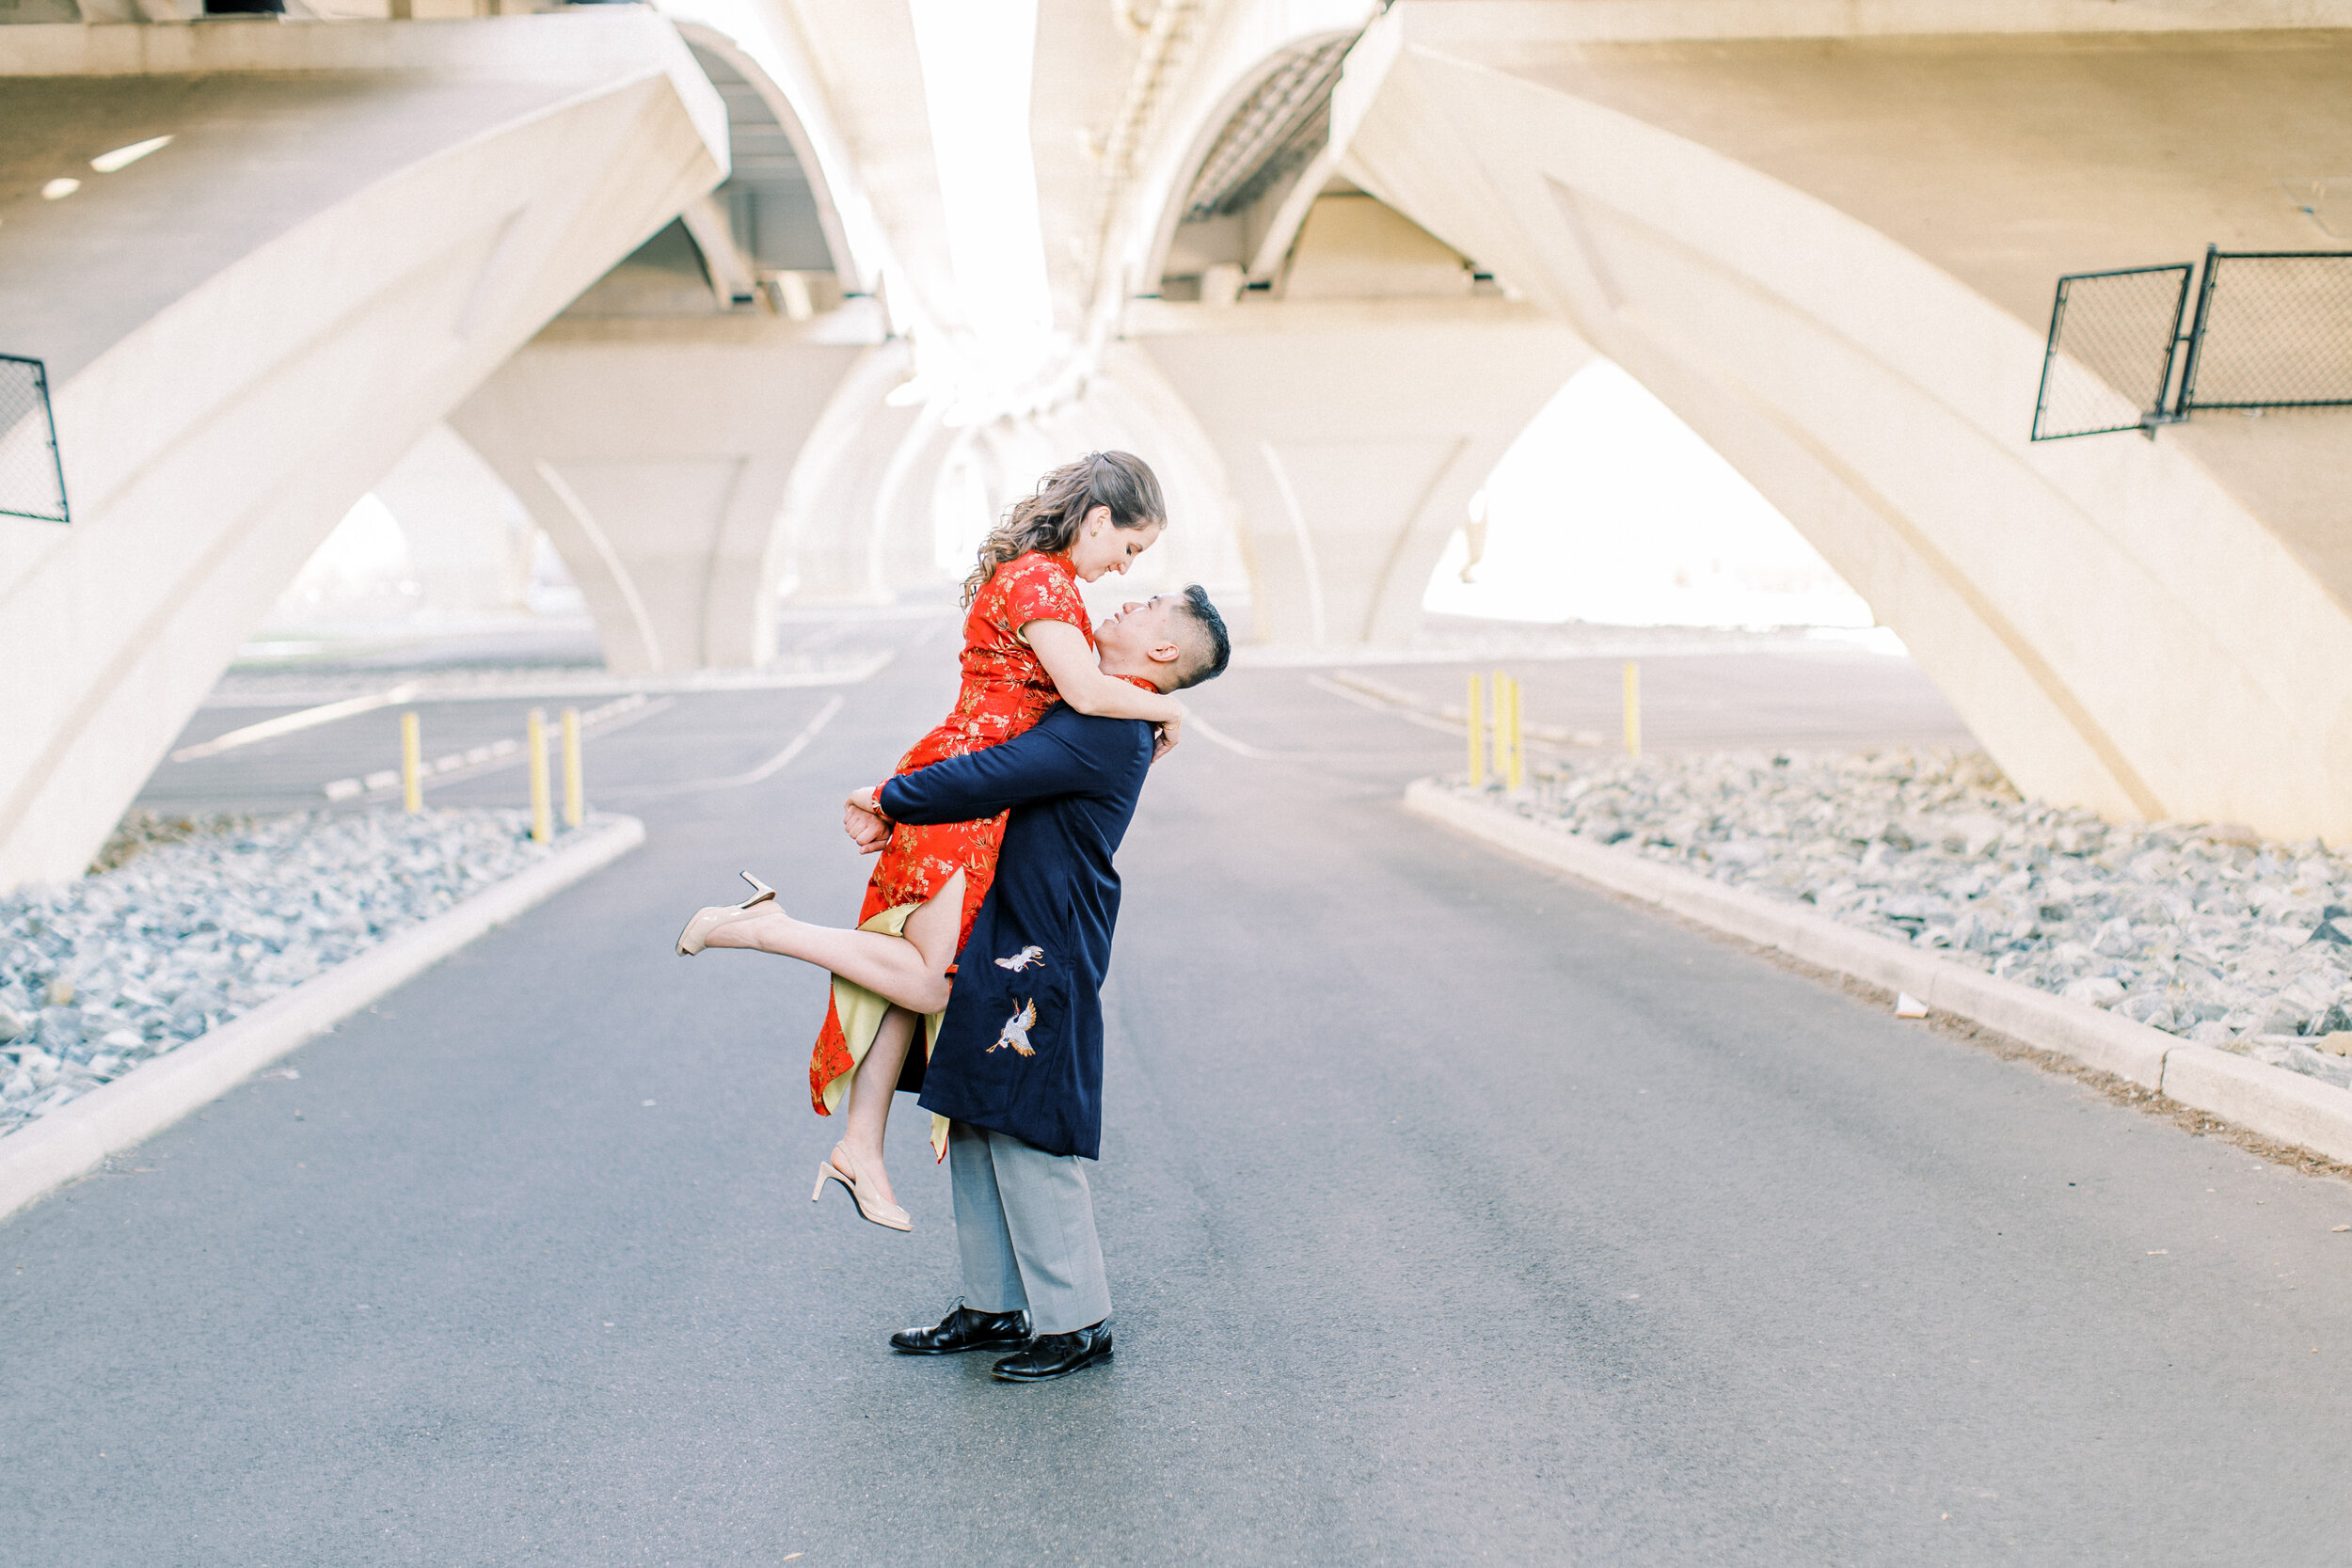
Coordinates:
x,y
1101,548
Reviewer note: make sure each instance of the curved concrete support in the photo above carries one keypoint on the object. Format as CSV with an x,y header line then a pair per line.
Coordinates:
x,y
656,452
828,526
1130,407
470,537
236,364
1834,260
1353,435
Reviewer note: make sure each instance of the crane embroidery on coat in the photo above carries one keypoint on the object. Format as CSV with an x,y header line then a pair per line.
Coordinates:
x,y
1022,960
1016,1030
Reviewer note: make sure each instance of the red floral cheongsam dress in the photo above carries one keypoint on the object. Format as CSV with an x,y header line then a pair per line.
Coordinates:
x,y
1005,690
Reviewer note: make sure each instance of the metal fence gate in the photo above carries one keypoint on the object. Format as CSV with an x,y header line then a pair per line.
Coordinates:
x,y
2272,329
32,481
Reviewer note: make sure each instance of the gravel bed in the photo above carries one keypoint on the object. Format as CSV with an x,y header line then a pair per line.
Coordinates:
x,y
2203,931
99,976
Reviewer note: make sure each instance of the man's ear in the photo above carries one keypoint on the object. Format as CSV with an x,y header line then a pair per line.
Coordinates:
x,y
1163,653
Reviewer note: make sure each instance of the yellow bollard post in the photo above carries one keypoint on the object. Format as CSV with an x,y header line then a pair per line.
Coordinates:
x,y
1477,736
575,790
1519,737
542,821
411,763
1502,738
1632,709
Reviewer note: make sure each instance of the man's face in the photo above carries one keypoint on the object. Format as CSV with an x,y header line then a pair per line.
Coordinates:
x,y
1141,629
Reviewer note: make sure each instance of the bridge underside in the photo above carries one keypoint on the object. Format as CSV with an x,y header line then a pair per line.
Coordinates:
x,y
238,362
1834,258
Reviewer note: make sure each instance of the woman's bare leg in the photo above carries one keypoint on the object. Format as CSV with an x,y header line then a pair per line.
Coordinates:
x,y
867,1114
911,971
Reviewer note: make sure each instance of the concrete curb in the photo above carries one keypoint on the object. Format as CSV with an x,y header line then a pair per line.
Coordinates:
x,y
72,1140
2271,1102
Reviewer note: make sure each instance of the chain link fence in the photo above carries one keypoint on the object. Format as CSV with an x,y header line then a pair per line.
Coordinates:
x,y
31,482
2272,329
2109,359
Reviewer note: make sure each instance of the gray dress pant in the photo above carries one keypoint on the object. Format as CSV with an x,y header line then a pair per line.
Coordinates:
x,y
1025,1222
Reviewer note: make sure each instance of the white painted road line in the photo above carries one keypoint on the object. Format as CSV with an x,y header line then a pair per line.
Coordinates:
x,y
477,760
270,729
737,781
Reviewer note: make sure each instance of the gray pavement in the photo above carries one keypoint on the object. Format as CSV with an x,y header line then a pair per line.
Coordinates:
x,y
1454,1214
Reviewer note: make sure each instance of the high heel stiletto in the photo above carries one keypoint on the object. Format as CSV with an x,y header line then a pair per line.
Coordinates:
x,y
886,1214
697,932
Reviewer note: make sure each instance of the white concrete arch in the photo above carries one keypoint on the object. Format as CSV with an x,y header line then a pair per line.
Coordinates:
x,y
654,428
236,364
1355,378
1833,256
1235,81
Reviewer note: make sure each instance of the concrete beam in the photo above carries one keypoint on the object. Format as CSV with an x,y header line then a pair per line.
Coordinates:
x,y
236,363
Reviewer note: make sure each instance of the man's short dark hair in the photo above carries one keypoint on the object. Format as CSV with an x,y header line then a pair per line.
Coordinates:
x,y
1208,648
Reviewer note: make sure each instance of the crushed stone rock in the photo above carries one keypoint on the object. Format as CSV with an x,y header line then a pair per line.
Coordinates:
x,y
200,922
2203,931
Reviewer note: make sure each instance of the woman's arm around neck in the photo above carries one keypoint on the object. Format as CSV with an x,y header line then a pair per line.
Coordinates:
x,y
1070,659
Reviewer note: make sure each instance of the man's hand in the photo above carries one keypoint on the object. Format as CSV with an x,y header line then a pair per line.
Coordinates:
x,y
1168,734
862,820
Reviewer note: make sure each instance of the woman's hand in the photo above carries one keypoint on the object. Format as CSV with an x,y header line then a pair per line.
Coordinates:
x,y
862,820
1169,734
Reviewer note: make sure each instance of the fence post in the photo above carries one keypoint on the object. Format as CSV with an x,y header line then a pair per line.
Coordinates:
x,y
2197,336
411,763
541,823
575,790
1477,736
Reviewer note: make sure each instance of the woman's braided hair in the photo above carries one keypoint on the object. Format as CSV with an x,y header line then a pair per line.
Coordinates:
x,y
1048,520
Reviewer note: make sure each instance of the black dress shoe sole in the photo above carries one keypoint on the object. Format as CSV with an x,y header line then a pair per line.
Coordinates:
x,y
957,1350
1078,1365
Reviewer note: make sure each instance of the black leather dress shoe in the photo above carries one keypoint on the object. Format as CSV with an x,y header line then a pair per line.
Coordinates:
x,y
964,1329
1056,1354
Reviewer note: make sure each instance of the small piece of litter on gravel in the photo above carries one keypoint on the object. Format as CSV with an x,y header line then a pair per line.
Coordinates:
x,y
2332,1230
648,1103
2161,1252
1908,1005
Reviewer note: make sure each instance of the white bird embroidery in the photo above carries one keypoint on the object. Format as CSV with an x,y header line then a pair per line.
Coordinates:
x,y
1022,960
1016,1030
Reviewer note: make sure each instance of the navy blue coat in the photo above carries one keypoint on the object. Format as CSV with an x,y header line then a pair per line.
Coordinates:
x,y
1021,1049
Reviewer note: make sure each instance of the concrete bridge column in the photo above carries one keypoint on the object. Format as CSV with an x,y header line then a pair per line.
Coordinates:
x,y
236,362
656,453
469,539
1353,434
1833,256
829,525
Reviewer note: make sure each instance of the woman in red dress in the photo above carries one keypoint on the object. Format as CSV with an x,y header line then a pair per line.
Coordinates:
x,y
1027,644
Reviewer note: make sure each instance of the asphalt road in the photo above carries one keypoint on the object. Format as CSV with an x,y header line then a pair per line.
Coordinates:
x,y
1454,1214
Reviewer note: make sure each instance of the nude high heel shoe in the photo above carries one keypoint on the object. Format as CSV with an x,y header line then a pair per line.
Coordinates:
x,y
887,1214
690,942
